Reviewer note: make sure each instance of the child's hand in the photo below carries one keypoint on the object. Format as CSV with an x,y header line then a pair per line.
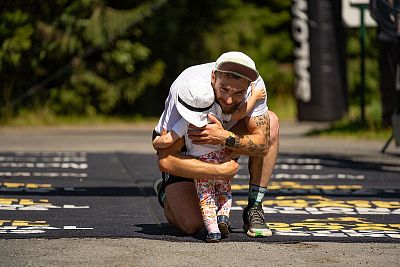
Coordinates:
x,y
258,93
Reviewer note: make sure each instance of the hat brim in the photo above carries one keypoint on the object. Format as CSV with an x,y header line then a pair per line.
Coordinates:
x,y
197,118
239,70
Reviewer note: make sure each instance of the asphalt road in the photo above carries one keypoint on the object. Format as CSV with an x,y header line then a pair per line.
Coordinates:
x,y
83,196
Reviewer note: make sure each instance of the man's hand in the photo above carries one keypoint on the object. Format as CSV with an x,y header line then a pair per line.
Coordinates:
x,y
212,134
230,168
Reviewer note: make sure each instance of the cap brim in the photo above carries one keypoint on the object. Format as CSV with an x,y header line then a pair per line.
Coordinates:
x,y
239,70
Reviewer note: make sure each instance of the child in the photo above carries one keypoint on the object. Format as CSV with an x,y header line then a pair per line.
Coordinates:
x,y
194,102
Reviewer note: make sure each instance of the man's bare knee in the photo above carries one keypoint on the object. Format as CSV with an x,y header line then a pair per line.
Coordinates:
x,y
274,127
183,208
192,222
186,224
190,227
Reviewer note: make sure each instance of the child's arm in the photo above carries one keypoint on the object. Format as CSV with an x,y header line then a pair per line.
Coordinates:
x,y
165,140
249,105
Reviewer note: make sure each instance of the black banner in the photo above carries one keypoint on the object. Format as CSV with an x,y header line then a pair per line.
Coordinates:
x,y
320,67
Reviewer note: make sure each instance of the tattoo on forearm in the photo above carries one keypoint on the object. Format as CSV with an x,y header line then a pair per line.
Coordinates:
x,y
262,122
250,145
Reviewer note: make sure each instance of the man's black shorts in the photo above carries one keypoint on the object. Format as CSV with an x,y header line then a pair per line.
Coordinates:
x,y
169,178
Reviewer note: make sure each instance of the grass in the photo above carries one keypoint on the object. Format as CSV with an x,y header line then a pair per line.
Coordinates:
x,y
284,106
353,129
40,118
350,126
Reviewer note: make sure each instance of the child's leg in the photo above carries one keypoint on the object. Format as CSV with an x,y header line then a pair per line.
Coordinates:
x,y
206,194
223,193
223,196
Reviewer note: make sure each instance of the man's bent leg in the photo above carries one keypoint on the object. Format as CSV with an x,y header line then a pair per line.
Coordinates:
x,y
260,169
182,208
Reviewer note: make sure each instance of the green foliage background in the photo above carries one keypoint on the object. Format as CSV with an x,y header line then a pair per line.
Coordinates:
x,y
118,58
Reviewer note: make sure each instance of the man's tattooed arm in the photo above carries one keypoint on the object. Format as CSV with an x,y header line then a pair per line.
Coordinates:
x,y
256,143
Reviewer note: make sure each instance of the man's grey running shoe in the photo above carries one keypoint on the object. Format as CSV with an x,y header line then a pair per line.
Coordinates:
x,y
160,190
254,222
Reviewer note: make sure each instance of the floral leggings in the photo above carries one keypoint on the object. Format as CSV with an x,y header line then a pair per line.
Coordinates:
x,y
215,195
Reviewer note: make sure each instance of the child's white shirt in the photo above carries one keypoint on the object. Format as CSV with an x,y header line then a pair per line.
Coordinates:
x,y
181,129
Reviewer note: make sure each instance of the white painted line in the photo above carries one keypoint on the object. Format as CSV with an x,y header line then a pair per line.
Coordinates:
x,y
52,154
245,160
308,176
44,165
44,159
44,174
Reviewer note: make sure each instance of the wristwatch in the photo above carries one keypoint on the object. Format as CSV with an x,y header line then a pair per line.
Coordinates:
x,y
231,140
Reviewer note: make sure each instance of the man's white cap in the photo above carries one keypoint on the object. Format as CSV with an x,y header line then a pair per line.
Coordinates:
x,y
237,63
194,100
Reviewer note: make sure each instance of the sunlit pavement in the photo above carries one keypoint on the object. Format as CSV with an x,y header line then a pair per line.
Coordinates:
x,y
82,187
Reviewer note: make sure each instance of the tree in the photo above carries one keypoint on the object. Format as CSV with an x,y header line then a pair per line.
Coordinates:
x,y
185,33
89,55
